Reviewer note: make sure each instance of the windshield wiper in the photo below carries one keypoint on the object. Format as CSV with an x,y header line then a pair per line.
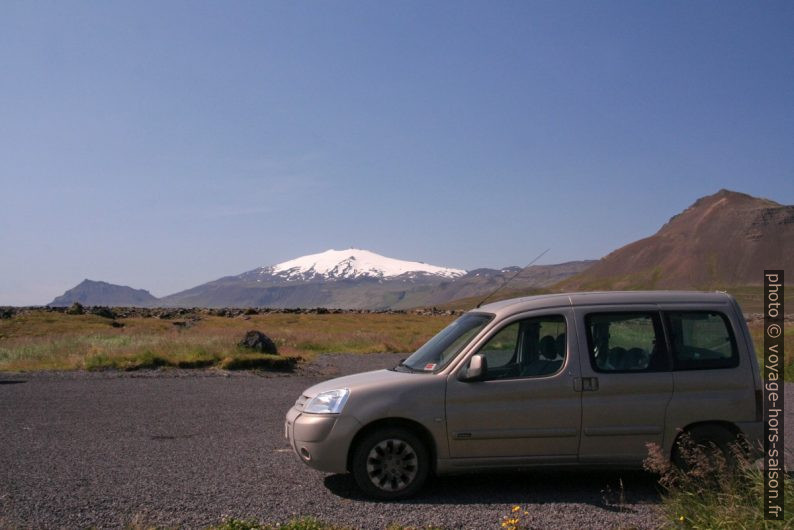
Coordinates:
x,y
402,364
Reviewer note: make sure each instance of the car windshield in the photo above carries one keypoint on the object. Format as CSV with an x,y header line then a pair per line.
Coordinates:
x,y
442,348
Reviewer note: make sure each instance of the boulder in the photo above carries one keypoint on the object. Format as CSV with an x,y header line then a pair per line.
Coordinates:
x,y
258,341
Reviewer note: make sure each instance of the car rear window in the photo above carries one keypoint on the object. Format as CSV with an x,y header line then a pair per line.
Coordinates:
x,y
701,340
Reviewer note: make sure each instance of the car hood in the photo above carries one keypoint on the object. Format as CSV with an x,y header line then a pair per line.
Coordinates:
x,y
376,378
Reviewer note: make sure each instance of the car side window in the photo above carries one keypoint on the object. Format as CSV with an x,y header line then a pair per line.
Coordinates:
x,y
626,342
701,340
531,347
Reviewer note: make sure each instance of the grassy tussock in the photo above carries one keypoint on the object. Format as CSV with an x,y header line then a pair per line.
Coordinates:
x,y
708,492
53,341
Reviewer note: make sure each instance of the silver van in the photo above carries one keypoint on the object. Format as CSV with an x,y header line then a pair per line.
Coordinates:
x,y
582,379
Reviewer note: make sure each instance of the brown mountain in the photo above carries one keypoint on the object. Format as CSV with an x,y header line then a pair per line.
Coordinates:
x,y
722,240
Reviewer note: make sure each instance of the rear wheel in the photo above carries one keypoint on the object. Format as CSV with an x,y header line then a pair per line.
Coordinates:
x,y
390,463
714,443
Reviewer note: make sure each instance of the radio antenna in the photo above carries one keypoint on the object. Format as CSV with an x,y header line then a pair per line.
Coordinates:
x,y
513,277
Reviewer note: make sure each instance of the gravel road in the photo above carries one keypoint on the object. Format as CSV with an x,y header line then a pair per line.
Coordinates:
x,y
188,448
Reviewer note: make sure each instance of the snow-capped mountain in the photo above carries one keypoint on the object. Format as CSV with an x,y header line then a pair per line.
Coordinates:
x,y
358,279
352,264
351,279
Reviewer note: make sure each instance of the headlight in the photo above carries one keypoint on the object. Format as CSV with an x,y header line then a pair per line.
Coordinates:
x,y
330,402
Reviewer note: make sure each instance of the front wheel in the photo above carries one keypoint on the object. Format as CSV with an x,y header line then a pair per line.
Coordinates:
x,y
390,463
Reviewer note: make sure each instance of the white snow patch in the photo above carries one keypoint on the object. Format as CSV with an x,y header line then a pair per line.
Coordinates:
x,y
354,263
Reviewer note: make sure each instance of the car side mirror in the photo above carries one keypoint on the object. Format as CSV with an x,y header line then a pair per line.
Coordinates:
x,y
478,367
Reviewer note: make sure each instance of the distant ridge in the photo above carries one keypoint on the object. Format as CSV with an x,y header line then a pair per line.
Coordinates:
x,y
89,292
723,240
339,279
356,279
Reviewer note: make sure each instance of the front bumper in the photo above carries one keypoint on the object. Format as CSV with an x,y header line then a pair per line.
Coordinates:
x,y
321,441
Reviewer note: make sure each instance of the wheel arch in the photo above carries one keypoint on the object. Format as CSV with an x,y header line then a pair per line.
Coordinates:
x,y
728,426
404,423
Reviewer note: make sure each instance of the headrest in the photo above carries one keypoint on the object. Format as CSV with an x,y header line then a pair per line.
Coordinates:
x,y
548,347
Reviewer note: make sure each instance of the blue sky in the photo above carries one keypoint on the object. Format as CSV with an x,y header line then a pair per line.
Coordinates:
x,y
164,144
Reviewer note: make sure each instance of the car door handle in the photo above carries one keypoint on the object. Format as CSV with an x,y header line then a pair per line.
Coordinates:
x,y
585,384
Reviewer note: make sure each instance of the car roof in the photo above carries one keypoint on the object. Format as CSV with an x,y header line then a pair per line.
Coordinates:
x,y
528,303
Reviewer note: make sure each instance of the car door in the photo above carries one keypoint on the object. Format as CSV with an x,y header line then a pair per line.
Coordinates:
x,y
626,382
712,370
526,406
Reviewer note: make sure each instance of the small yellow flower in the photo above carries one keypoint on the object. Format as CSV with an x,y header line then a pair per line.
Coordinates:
x,y
682,518
516,508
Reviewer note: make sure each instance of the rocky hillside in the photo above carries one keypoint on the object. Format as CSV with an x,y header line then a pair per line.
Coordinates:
x,y
722,240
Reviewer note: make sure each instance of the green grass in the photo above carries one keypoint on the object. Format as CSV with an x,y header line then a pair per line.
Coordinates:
x,y
39,340
710,495
734,505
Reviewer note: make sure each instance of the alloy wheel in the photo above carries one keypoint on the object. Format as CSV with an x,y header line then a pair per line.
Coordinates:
x,y
392,465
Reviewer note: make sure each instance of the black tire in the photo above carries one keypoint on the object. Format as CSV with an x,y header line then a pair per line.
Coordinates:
x,y
390,463
711,438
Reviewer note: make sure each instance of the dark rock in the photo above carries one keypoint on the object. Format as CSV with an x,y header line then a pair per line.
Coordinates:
x,y
76,309
258,341
117,324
